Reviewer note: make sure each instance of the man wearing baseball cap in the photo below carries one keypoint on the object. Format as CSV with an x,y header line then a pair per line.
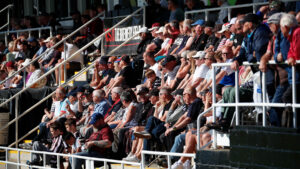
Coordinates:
x,y
98,144
200,38
256,43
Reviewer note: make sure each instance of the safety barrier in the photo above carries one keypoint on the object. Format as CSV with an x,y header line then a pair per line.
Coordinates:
x,y
264,104
89,161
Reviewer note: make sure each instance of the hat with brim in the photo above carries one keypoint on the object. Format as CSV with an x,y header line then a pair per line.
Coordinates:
x,y
200,55
95,117
160,30
26,62
199,22
143,90
47,40
168,59
154,26
144,30
225,27
275,18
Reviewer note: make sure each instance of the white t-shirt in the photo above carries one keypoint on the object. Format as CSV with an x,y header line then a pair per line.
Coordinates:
x,y
132,104
155,69
69,52
200,72
227,69
165,43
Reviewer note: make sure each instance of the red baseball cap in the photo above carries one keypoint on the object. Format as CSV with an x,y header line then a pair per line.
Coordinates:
x,y
156,25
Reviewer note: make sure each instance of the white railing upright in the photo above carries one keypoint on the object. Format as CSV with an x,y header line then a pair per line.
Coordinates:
x,y
8,7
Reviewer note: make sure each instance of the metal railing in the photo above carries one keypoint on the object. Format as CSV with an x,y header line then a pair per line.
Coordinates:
x,y
199,125
264,104
168,154
8,7
206,11
53,47
89,161
66,82
39,29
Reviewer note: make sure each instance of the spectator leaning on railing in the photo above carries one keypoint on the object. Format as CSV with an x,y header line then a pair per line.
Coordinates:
x,y
290,30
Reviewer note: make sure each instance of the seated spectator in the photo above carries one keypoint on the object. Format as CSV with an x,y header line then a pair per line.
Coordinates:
x,y
200,72
101,104
200,38
125,78
225,32
143,111
146,39
194,107
57,146
155,124
185,45
59,114
171,65
150,60
226,76
152,80
100,71
36,73
70,125
42,48
111,112
99,140
157,40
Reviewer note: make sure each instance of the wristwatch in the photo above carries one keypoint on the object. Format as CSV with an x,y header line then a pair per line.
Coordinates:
x,y
174,128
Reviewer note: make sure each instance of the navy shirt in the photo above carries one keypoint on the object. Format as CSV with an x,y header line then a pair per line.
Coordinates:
x,y
194,109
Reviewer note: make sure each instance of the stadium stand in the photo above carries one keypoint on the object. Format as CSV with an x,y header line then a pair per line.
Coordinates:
x,y
175,85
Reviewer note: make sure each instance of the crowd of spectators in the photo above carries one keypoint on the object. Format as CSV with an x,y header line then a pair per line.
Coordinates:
x,y
117,116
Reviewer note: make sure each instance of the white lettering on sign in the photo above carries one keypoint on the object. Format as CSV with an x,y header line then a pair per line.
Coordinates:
x,y
123,34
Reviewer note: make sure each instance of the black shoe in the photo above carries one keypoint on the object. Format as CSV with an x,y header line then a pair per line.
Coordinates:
x,y
221,126
37,163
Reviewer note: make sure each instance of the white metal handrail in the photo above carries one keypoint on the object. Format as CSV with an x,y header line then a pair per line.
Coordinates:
x,y
206,11
53,47
8,7
199,124
28,30
168,154
89,160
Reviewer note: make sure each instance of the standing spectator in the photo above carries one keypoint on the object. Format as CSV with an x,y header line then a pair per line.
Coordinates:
x,y
176,12
290,30
76,17
223,12
96,27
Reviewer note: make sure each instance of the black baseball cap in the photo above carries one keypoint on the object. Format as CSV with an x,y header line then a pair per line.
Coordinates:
x,y
168,59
